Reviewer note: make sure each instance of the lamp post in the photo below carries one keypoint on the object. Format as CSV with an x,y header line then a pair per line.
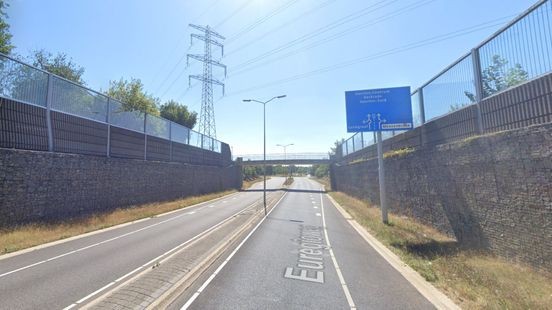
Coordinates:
x,y
285,153
264,142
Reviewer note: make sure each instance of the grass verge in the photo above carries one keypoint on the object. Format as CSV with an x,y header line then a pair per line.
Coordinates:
x,y
248,183
288,181
474,280
26,236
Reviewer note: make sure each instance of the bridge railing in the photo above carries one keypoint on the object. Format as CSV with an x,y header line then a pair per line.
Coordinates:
x,y
45,93
453,100
282,156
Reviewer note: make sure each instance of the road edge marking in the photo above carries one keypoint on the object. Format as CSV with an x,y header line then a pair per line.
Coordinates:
x,y
161,258
430,292
334,259
219,268
94,232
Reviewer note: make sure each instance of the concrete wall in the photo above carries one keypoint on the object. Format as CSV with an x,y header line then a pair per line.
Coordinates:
x,y
492,192
38,186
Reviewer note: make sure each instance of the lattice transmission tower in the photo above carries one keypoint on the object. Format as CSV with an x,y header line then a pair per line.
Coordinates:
x,y
207,116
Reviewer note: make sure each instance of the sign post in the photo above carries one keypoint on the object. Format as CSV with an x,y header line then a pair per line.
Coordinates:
x,y
377,110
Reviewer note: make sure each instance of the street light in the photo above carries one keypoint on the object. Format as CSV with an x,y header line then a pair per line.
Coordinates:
x,y
264,142
285,154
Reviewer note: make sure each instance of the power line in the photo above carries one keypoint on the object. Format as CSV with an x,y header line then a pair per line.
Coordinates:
x,y
332,37
280,27
370,9
382,54
261,20
239,9
207,116
177,45
206,10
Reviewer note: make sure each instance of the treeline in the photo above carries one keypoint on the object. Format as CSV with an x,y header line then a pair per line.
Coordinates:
x,y
252,172
130,92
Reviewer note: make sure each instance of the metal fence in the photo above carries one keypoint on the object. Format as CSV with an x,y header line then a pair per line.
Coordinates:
x,y
287,156
32,86
458,101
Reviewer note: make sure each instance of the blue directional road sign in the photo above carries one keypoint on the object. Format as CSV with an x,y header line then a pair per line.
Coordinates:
x,y
384,109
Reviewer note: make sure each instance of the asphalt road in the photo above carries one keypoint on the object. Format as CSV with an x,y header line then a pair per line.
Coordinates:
x,y
80,270
305,256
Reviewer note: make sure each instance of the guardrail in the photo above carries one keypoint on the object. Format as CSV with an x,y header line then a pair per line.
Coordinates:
x,y
517,53
35,87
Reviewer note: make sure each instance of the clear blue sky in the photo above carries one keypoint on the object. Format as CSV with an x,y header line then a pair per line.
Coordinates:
x,y
146,39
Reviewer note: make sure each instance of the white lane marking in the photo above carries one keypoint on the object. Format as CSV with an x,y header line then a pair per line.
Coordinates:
x,y
190,213
211,206
334,260
318,214
315,207
99,231
314,202
206,283
158,258
97,244
224,201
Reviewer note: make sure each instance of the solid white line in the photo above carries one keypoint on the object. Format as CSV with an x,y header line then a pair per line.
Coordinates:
x,y
148,264
334,260
95,232
97,244
206,283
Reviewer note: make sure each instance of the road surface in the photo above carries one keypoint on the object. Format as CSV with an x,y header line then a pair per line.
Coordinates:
x,y
80,270
287,263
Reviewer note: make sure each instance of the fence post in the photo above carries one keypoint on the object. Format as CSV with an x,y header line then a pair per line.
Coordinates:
x,y
362,139
49,97
170,140
476,60
145,137
108,120
422,116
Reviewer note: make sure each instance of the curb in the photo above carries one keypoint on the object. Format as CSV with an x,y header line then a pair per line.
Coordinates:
x,y
436,297
94,232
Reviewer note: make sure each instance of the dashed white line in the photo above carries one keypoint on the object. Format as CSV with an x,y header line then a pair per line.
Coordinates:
x,y
318,214
334,260
190,213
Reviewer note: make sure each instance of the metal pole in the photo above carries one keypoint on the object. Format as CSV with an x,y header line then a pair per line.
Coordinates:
x,y
170,141
381,175
264,157
145,136
108,119
49,96
478,88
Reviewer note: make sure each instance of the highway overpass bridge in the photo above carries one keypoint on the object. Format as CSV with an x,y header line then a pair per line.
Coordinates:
x,y
284,159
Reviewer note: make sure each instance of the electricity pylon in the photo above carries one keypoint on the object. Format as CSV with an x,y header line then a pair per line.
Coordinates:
x,y
207,116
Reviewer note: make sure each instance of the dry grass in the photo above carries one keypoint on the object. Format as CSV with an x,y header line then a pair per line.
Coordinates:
x,y
248,183
34,234
398,153
474,280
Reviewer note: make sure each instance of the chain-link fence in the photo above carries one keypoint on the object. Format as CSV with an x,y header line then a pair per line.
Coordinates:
x,y
461,100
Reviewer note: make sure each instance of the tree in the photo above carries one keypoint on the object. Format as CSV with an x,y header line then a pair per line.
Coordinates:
x,y
178,113
60,65
5,36
496,78
133,96
337,144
